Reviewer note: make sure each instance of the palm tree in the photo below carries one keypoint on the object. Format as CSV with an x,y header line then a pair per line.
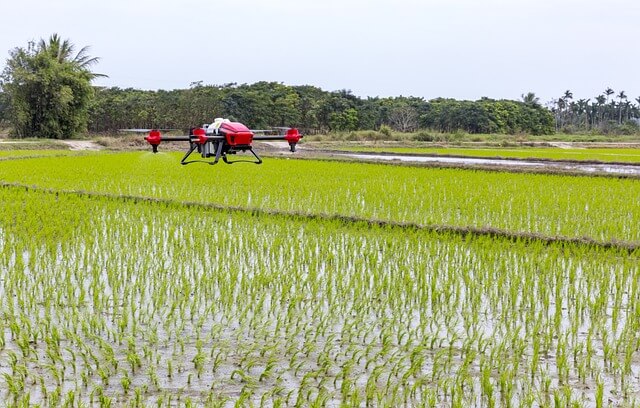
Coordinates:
x,y
608,92
530,98
601,100
636,110
621,96
568,95
582,108
50,88
561,104
63,52
627,110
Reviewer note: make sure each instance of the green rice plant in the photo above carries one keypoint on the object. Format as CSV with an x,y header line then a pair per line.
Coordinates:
x,y
551,205
269,369
125,382
105,401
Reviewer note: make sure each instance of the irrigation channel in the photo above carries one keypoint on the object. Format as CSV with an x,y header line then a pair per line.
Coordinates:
x,y
610,168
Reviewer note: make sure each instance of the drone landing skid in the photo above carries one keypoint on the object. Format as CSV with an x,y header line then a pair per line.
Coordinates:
x,y
220,153
258,160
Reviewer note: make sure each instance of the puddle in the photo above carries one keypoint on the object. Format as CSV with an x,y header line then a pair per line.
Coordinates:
x,y
631,169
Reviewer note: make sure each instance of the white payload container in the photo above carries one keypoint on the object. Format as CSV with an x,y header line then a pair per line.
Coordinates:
x,y
212,129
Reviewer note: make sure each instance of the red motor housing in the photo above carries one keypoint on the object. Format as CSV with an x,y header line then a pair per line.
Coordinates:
x,y
236,134
293,137
201,134
154,138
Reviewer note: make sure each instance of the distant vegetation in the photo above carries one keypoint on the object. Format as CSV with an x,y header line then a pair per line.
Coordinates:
x,y
315,111
609,112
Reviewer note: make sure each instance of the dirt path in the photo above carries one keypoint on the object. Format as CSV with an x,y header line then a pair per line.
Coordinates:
x,y
82,145
565,145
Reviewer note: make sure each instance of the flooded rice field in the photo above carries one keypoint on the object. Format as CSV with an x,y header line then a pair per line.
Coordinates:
x,y
120,288
622,169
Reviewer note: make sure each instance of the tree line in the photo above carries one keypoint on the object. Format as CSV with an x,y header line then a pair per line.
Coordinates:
x,y
265,104
605,113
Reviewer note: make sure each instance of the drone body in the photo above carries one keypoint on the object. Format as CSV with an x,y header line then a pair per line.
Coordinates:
x,y
223,139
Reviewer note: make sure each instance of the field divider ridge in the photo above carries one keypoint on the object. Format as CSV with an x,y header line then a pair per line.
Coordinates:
x,y
464,231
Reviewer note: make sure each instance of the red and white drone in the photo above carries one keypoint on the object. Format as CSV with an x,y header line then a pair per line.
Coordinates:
x,y
223,138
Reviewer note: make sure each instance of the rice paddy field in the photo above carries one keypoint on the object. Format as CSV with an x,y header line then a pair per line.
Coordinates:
x,y
129,280
607,155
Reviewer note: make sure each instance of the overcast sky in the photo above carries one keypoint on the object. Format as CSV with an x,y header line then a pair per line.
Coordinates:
x,y
462,49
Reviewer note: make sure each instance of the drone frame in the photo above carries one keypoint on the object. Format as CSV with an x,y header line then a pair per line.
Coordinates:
x,y
230,138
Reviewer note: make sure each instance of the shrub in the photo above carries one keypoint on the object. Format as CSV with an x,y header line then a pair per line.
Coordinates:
x,y
424,136
385,130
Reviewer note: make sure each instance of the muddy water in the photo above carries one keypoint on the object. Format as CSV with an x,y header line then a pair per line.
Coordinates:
x,y
626,169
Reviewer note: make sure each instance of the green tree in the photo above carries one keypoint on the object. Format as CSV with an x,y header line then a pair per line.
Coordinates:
x,y
266,104
4,108
346,120
622,97
49,88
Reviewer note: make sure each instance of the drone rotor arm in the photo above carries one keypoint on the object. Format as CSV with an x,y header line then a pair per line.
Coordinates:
x,y
176,139
292,136
269,137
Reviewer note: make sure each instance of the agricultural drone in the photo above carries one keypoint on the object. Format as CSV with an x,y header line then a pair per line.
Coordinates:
x,y
221,139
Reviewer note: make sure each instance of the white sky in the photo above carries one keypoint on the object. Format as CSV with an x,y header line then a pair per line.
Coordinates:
x,y
462,49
